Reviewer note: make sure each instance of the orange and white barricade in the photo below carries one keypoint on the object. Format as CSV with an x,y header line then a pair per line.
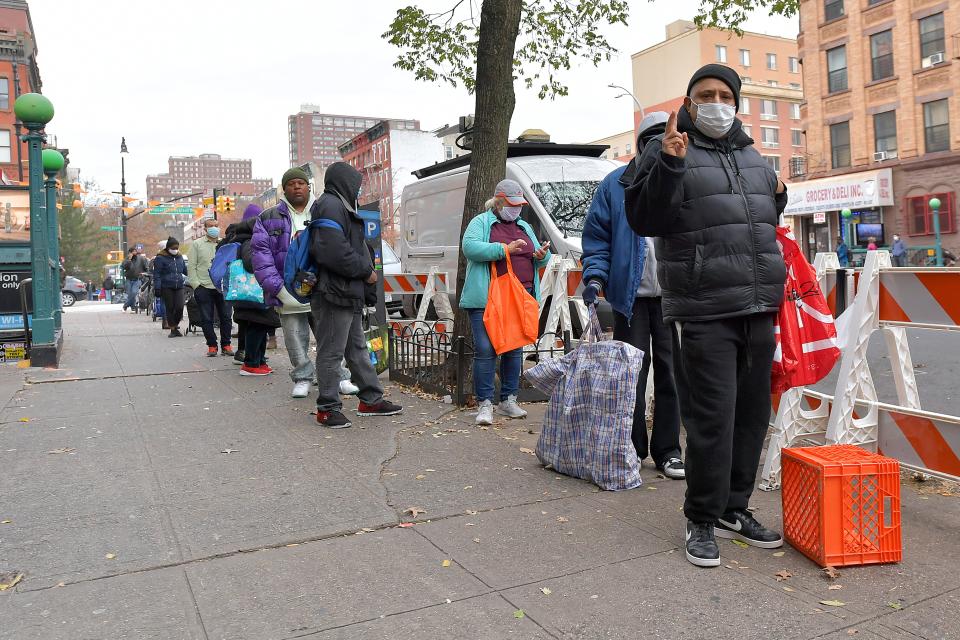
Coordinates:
x,y
888,299
561,282
432,286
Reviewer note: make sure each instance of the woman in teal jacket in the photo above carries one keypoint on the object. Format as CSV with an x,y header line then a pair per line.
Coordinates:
x,y
488,236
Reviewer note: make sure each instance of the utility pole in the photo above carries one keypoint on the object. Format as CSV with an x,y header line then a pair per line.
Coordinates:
x,y
123,196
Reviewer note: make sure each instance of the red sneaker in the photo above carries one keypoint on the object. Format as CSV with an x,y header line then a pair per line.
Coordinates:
x,y
228,351
255,371
265,368
211,352
382,408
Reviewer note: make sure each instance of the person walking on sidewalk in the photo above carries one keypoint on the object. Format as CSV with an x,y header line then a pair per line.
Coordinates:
x,y
713,204
898,252
108,285
133,267
488,236
209,299
169,271
345,279
273,232
624,266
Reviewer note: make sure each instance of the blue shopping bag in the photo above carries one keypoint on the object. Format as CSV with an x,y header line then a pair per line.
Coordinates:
x,y
242,285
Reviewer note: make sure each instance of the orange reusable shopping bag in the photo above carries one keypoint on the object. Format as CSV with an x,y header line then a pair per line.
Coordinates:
x,y
512,315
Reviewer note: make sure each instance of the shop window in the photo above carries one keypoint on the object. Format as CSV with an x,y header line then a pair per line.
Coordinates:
x,y
837,69
881,54
920,215
840,145
936,125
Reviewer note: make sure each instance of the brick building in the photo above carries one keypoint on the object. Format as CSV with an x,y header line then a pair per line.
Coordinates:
x,y
622,146
202,174
19,74
387,154
315,137
772,86
881,116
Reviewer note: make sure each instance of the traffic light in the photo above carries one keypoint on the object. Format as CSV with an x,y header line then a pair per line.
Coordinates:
x,y
229,203
221,205
115,256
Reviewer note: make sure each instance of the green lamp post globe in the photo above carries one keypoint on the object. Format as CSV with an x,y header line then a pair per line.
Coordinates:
x,y
52,160
934,203
846,213
33,107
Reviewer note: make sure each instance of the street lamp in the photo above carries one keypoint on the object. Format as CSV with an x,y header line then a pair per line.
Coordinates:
x,y
123,196
626,92
53,162
935,206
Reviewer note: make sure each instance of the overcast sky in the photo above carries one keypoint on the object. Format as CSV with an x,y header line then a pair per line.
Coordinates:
x,y
219,76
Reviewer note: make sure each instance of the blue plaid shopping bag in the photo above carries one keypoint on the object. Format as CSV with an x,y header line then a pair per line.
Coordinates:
x,y
589,419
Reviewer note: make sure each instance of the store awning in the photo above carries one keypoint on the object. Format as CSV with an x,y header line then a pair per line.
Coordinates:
x,y
850,191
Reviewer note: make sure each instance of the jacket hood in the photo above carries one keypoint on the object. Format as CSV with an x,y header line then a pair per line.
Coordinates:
x,y
643,139
344,181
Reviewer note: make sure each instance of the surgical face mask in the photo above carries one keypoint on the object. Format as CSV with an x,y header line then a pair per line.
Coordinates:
x,y
714,119
213,232
510,213
173,252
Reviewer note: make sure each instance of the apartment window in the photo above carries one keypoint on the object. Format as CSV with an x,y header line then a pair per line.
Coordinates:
x,y
881,54
885,133
774,162
794,110
745,105
840,145
770,137
936,125
931,36
768,109
794,85
793,64
772,61
745,57
837,69
773,83
796,137
4,145
629,149
4,94
747,129
921,215
832,9
721,53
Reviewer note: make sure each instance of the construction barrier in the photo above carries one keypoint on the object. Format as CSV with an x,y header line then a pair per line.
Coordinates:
x,y
888,299
431,286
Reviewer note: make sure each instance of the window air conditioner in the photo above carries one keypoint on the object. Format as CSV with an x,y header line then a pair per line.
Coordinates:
x,y
929,61
879,156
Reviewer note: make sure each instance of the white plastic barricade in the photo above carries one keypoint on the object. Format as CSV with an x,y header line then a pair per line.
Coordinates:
x,y
431,286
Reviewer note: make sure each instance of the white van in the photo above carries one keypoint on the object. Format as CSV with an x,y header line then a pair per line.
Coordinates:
x,y
558,186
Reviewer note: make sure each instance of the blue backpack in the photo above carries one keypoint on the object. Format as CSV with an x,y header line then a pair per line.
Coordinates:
x,y
220,267
298,267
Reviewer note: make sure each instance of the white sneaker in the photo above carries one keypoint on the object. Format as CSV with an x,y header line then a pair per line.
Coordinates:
x,y
510,408
347,388
485,415
301,389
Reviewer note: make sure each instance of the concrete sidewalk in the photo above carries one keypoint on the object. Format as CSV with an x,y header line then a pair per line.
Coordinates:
x,y
151,492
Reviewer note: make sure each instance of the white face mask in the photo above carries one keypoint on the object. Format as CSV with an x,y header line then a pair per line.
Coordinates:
x,y
714,119
173,252
510,213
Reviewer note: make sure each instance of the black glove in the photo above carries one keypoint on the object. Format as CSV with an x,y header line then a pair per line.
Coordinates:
x,y
591,292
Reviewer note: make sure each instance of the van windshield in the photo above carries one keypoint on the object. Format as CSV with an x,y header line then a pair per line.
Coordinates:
x,y
567,202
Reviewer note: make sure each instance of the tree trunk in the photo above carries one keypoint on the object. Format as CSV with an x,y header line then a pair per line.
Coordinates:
x,y
499,27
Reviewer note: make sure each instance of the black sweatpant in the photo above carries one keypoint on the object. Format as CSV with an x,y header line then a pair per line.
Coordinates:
x,y
646,328
173,306
723,375
255,347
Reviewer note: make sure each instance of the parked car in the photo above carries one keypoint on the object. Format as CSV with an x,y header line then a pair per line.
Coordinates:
x,y
73,289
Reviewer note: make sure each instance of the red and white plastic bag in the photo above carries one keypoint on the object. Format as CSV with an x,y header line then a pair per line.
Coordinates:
x,y
805,331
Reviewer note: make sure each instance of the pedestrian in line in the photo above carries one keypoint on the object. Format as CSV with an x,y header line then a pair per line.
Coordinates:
x,y
345,284
273,232
91,288
169,271
209,299
108,285
843,253
489,235
623,265
133,267
899,252
713,204
251,211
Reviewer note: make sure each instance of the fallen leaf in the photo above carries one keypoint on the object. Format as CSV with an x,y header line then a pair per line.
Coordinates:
x,y
831,572
740,544
9,580
430,470
651,488
789,589
545,591
405,525
60,584
852,632
782,575
5,521
833,603
526,450
469,486
470,512
835,587
367,529
445,563
895,605
63,450
24,419
414,511
562,519
421,477
779,554
518,614
110,556
477,540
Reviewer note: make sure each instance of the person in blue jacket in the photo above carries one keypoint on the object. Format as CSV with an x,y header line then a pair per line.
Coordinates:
x,y
169,279
624,266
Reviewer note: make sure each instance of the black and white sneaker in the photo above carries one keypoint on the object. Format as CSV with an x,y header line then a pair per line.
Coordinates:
x,y
702,549
740,524
673,468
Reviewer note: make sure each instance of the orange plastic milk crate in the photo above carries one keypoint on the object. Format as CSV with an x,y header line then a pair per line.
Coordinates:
x,y
841,505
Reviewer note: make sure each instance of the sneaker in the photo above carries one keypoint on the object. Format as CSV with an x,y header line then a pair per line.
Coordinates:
x,y
246,370
228,351
239,357
347,388
332,419
301,389
211,352
485,414
740,524
175,333
272,344
673,468
382,408
510,408
702,549
265,368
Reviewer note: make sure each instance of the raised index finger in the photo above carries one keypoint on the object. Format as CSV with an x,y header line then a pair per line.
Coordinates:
x,y
671,123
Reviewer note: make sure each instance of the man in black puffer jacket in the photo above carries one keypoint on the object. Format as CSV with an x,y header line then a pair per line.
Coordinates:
x,y
345,279
713,204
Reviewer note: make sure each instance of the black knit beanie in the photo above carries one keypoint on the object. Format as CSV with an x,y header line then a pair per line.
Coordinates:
x,y
172,242
721,72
